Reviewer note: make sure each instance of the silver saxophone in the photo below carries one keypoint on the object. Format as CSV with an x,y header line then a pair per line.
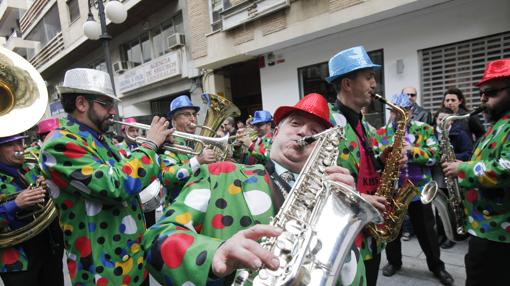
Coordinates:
x,y
320,220
450,208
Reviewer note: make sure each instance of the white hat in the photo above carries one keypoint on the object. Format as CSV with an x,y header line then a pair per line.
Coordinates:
x,y
87,81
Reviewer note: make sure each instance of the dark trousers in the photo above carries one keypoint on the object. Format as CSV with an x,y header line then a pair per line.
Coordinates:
x,y
372,269
486,262
44,253
422,220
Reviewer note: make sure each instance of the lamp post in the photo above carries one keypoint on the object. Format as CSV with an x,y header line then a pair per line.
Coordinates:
x,y
116,13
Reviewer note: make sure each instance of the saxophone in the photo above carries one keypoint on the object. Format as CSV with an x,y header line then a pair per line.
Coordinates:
x,y
398,199
451,209
310,251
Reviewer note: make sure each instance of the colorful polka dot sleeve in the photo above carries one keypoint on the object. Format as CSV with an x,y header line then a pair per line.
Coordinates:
x,y
256,153
486,179
175,172
13,258
99,208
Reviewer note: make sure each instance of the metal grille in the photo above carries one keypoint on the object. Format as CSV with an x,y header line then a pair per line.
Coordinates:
x,y
459,65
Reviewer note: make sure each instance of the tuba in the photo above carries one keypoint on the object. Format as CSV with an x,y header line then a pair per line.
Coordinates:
x,y
398,198
450,208
23,102
310,251
219,108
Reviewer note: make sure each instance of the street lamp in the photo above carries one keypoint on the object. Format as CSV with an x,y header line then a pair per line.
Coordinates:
x,y
117,14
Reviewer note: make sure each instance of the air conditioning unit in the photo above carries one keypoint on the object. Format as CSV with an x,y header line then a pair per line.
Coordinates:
x,y
122,66
175,41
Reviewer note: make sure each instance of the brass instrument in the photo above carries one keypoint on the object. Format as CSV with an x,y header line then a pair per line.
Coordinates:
x,y
219,108
220,143
23,94
248,131
23,102
450,208
398,199
310,250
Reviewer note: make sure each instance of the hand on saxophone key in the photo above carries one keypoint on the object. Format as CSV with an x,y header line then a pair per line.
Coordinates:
x,y
242,251
377,202
30,197
158,132
451,168
340,174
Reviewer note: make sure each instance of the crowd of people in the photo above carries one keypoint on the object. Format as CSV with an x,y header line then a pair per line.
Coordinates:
x,y
218,207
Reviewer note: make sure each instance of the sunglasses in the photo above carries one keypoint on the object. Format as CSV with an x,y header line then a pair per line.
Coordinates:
x,y
492,92
411,94
105,104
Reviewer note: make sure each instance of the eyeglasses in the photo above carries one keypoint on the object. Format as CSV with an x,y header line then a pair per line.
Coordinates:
x,y
492,92
105,104
188,114
411,94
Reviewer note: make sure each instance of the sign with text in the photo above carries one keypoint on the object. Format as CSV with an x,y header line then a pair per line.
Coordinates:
x,y
161,68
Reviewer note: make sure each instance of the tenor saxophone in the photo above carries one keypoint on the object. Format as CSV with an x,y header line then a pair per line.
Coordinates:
x,y
451,209
310,250
398,199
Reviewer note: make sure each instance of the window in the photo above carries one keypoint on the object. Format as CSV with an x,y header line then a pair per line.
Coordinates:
x,y
74,10
152,44
47,28
312,79
459,65
216,6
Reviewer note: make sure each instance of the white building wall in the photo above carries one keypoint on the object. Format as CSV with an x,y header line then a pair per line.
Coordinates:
x,y
400,38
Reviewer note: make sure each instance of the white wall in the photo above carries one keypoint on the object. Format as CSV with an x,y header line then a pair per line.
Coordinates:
x,y
400,38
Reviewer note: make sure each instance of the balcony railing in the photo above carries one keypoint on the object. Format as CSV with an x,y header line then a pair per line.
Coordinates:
x,y
31,14
52,48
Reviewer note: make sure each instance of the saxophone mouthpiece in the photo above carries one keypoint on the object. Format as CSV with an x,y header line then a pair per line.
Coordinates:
x,y
306,141
479,109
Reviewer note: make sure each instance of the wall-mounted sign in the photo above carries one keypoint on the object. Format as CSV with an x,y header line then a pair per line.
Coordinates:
x,y
56,109
159,69
249,11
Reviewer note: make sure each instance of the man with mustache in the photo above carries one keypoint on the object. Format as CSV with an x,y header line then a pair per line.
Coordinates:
x,y
212,227
94,188
486,179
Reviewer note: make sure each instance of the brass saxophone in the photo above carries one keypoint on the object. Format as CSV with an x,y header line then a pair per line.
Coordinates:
x,y
451,209
398,199
310,251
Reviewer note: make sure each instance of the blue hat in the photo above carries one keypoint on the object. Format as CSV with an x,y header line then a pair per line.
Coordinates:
x,y
181,102
12,138
347,61
262,116
402,100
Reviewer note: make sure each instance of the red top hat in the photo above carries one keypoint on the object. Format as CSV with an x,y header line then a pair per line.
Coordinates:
x,y
127,120
313,104
496,69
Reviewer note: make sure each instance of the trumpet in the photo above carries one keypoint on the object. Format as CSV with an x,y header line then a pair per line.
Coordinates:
x,y
204,141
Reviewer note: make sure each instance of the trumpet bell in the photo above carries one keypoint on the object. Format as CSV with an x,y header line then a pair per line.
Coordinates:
x,y
23,94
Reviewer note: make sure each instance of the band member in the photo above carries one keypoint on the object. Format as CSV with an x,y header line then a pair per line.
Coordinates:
x,y
129,133
256,150
94,188
36,261
423,153
486,178
352,74
176,166
211,228
44,127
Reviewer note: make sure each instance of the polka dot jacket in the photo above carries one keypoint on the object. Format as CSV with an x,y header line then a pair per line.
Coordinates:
x,y
217,202
175,172
486,178
96,193
14,258
255,153
349,157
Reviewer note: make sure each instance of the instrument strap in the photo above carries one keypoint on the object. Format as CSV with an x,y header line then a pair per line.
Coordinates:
x,y
280,187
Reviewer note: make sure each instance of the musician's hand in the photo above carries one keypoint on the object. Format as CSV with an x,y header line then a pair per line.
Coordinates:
x,y
30,197
340,174
377,202
159,131
451,168
243,137
207,156
242,251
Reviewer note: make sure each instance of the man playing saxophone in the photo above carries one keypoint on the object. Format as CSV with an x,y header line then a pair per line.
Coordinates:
x,y
422,149
352,73
38,260
486,179
95,189
212,228
178,167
